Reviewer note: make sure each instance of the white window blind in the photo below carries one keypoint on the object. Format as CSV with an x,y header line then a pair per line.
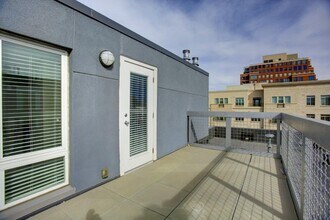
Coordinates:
x,y
31,99
26,180
138,114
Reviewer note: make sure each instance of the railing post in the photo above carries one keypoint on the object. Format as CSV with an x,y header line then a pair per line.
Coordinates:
x,y
302,190
278,137
287,150
188,131
228,132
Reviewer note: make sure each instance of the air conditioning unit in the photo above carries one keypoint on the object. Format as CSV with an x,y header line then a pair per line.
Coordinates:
x,y
221,105
280,105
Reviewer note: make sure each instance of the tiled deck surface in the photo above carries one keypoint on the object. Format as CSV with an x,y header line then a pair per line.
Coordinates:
x,y
192,183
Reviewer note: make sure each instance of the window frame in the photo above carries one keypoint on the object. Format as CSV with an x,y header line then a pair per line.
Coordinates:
x,y
324,98
19,160
256,101
281,99
240,103
310,116
310,100
255,119
274,99
325,116
287,99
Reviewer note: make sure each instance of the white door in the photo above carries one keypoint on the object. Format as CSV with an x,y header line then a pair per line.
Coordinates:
x,y
137,114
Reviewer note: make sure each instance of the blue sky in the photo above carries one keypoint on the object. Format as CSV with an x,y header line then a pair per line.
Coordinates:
x,y
227,35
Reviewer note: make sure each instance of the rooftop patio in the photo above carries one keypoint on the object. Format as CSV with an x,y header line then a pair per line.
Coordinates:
x,y
191,183
229,169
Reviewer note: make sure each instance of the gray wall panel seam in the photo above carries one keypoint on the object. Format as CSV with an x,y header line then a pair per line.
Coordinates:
x,y
92,75
181,91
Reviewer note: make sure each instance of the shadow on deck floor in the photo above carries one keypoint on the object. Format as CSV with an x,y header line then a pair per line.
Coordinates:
x,y
191,183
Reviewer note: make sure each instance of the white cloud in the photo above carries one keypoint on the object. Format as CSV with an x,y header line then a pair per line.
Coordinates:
x,y
228,35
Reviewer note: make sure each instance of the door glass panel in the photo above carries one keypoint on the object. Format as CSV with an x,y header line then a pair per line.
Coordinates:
x,y
138,114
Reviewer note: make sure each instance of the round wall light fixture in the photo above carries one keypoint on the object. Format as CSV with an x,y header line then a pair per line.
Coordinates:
x,y
106,58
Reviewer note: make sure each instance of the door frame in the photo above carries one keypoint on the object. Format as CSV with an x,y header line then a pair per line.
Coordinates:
x,y
122,91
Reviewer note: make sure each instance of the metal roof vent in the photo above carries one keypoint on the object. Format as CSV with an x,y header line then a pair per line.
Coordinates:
x,y
195,61
186,54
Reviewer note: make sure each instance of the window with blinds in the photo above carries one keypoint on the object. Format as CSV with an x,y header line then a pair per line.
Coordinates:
x,y
31,99
138,114
26,180
32,121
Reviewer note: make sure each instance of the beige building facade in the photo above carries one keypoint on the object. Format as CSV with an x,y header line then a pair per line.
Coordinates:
x,y
308,98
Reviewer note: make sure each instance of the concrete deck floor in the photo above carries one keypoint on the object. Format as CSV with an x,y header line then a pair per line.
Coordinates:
x,y
192,183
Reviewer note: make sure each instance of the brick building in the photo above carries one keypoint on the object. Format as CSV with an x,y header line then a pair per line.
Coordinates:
x,y
279,68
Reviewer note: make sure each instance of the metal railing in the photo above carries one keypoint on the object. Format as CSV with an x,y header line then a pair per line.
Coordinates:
x,y
235,131
303,145
305,152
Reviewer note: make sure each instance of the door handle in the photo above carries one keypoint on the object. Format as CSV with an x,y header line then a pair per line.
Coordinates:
x,y
126,123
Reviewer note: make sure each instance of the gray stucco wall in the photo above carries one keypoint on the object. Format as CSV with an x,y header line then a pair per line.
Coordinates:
x,y
94,90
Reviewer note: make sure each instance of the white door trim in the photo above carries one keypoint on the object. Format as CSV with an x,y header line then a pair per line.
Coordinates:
x,y
122,106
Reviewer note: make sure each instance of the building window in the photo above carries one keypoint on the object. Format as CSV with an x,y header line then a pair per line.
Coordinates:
x,y
216,100
287,99
325,117
311,78
281,99
239,119
274,99
274,121
256,101
225,100
240,101
219,118
325,99
310,115
310,100
255,119
34,121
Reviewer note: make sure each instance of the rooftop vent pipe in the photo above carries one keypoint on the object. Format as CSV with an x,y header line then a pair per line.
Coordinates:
x,y
195,61
186,54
